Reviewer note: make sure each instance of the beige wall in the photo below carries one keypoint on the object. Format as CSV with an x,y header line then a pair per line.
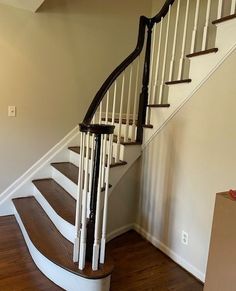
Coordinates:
x,y
52,64
192,158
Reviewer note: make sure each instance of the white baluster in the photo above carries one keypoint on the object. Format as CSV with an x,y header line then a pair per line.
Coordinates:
x,y
128,105
107,106
164,58
117,157
104,141
194,33
82,252
220,7
96,246
233,5
100,113
157,64
174,43
79,202
181,63
205,30
105,209
135,100
114,104
152,61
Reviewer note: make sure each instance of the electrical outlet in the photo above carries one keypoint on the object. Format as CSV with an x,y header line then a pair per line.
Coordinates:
x,y
12,111
184,238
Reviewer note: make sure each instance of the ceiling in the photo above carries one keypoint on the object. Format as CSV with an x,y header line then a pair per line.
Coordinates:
x,y
31,5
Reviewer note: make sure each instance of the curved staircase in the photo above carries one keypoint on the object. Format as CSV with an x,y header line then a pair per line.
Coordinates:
x,y
61,203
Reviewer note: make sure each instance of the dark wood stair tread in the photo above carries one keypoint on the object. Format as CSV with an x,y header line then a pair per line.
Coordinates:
x,y
123,121
114,164
60,200
158,105
70,171
223,19
178,82
48,240
147,126
205,52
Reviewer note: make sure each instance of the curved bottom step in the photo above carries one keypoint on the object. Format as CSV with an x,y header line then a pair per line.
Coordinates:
x,y
52,253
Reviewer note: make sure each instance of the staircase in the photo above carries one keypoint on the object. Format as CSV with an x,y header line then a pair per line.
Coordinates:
x,y
61,203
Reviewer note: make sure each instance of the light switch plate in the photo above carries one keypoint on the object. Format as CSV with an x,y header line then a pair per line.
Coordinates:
x,y
12,111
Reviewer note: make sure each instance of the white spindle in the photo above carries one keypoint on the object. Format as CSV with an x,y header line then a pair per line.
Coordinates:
x,y
181,63
128,105
79,202
135,100
164,58
205,30
157,64
107,106
152,61
114,103
117,157
153,49
220,7
194,33
82,252
174,42
104,141
105,209
233,5
96,245
100,113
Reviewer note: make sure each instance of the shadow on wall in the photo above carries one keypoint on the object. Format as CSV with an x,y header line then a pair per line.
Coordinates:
x,y
157,201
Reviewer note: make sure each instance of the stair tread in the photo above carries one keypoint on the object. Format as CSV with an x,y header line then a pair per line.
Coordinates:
x,y
70,171
114,164
147,126
159,105
178,82
48,240
60,200
123,121
223,19
205,52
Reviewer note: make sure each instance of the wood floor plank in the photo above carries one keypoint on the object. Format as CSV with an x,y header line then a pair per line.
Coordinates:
x,y
139,266
17,269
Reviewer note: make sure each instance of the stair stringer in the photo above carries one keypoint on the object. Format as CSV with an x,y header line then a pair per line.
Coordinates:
x,y
201,69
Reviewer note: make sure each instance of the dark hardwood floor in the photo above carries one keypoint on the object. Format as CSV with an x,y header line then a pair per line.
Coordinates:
x,y
138,265
17,269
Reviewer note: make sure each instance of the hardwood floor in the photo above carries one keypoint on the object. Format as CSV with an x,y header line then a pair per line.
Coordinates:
x,y
138,265
17,269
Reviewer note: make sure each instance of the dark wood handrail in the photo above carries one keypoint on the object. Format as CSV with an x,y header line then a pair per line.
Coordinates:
x,y
143,23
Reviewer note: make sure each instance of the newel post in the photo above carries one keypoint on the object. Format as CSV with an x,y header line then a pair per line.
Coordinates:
x,y
143,101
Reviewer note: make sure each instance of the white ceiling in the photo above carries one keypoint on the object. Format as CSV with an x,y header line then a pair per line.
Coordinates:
x,y
31,5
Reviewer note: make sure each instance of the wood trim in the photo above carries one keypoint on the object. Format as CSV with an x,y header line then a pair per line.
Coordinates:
x,y
200,53
159,105
223,19
178,82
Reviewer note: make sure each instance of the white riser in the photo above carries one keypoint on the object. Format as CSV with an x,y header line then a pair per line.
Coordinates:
x,y
63,278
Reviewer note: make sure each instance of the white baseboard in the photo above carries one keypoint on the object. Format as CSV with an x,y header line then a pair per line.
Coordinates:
x,y
119,231
170,253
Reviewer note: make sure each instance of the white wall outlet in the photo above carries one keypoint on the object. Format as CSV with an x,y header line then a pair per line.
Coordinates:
x,y
184,238
12,111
